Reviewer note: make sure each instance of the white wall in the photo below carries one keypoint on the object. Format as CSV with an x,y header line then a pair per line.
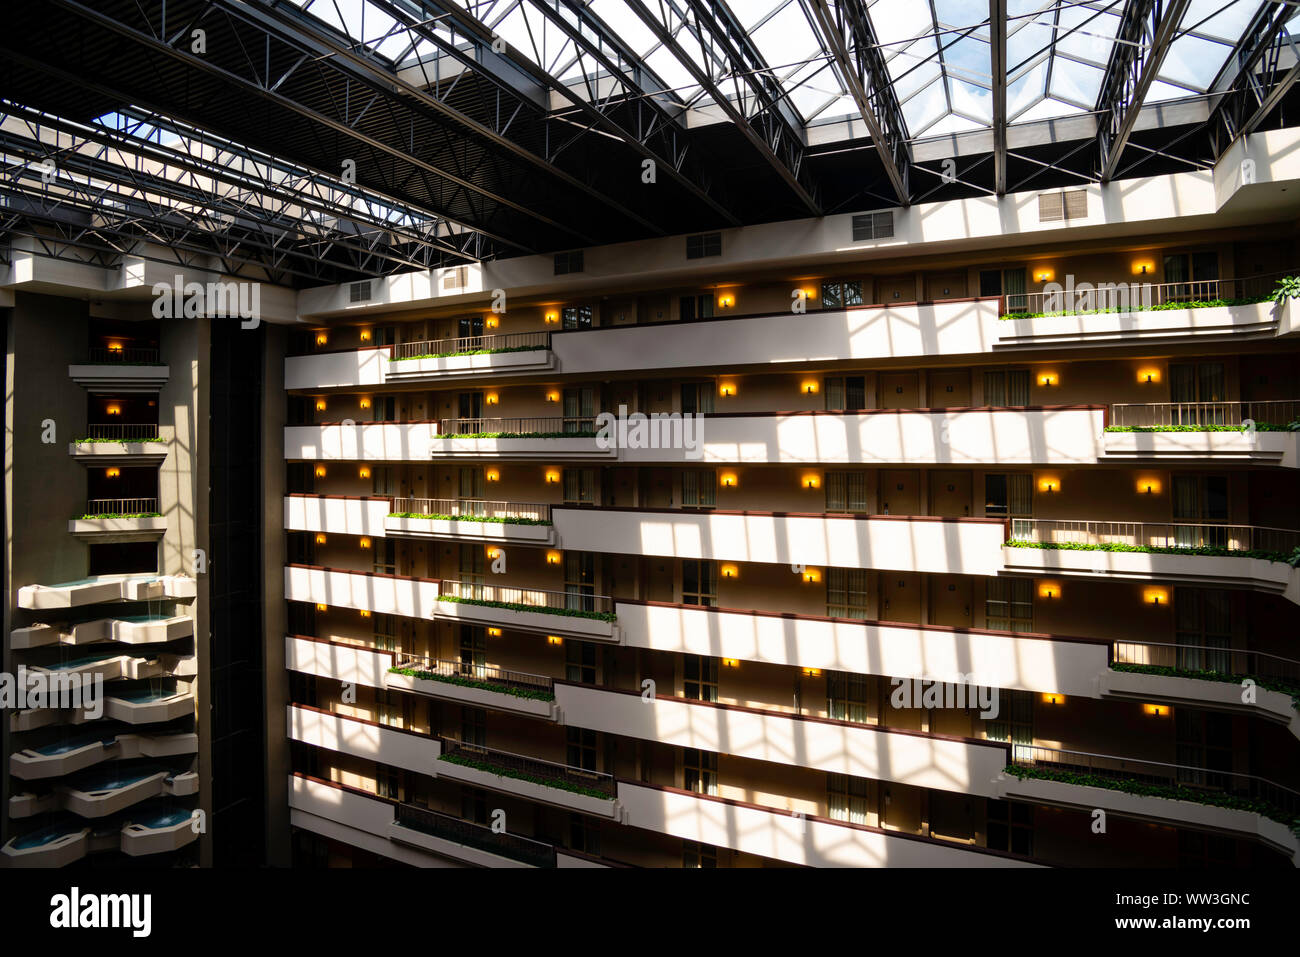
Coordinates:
x,y
343,516
389,596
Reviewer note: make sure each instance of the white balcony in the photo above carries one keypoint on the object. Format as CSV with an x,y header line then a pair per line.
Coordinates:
x,y
1201,326
363,739
868,751
379,594
471,520
897,543
429,361
795,839
482,686
129,629
1019,662
576,789
337,514
120,376
158,831
533,610
328,659
84,749
56,845
360,442
106,588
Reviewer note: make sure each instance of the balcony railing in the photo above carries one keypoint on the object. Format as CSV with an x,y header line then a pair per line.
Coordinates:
x,y
532,597
545,426
1283,802
1233,538
513,342
122,431
1135,296
532,769
473,508
477,836
136,355
122,506
488,674
1225,661
1147,414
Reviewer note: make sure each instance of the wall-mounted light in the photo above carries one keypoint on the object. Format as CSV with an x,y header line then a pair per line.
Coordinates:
x,y
727,390
322,338
552,558
552,396
365,335
364,402
730,663
1049,484
363,472
112,473
320,471
726,301
1156,710
491,322
809,388
552,477
320,405
493,552
365,543
728,480
365,613
812,575
1155,596
114,410
492,475
115,347
320,607
1048,379
320,539
554,640
730,571
1148,486
1044,275
1049,590
811,481
552,317
494,632
1148,376
491,398
1143,267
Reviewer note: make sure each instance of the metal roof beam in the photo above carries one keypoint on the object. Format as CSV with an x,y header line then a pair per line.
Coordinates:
x,y
1251,82
998,65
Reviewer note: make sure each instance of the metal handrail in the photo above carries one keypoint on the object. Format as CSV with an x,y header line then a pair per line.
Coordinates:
x,y
1282,798
136,355
1136,296
537,597
1234,538
1269,411
458,831
475,508
454,668
534,767
120,506
126,431
1184,657
465,344
545,425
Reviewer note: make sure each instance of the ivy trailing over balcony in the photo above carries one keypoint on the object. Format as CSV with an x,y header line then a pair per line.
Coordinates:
x,y
1165,671
470,352
463,682
543,609
1160,307
1213,551
560,784
1172,792
496,520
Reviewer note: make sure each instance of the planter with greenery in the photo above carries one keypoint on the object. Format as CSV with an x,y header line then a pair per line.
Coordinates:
x,y
532,694
1213,551
121,515
470,352
1160,307
498,520
1173,792
560,784
1259,427
517,435
1165,671
543,609
122,441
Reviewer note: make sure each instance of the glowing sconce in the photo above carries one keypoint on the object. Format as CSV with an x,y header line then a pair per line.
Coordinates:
x,y
494,632
363,472
114,410
1148,486
730,663
1155,596
493,553
812,575
811,481
1049,484
1044,275
365,335
1149,376
552,477
365,543
320,471
322,338
728,480
491,322
552,558
812,672
552,317
115,347
727,390
729,571
809,388
726,301
112,473
1156,710
1050,697
320,539
1049,379
320,405
1143,267
364,403
554,640
491,398
492,475
1049,590
365,613
552,396
322,607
